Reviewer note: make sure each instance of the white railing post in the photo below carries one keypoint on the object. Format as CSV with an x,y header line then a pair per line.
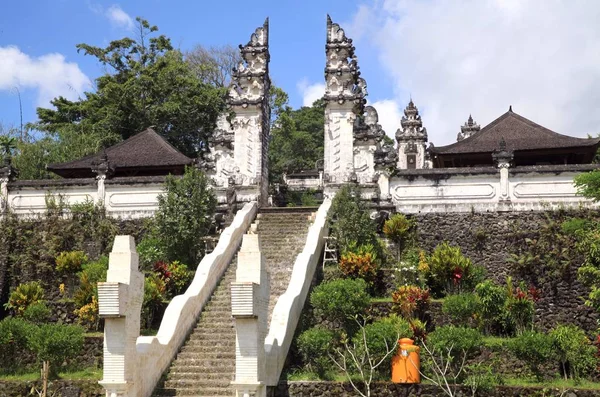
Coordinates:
x,y
120,302
249,307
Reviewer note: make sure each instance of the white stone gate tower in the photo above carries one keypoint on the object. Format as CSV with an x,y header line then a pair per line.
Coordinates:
x,y
345,95
239,147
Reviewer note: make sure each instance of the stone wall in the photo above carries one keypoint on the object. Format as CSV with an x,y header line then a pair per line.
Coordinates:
x,y
62,388
489,239
388,389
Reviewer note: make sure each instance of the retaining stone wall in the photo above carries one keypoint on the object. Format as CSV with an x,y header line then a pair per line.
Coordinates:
x,y
388,389
68,388
489,239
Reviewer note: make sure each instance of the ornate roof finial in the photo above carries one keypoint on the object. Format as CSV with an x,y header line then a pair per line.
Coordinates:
x,y
469,129
502,144
343,82
411,125
510,108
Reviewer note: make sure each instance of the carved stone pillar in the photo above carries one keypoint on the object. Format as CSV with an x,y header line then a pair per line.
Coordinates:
x,y
103,170
249,307
7,174
344,95
503,159
120,303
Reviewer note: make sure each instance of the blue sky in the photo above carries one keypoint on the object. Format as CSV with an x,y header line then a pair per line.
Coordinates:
x,y
39,28
455,57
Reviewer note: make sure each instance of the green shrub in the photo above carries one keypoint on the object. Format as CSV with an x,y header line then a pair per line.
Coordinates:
x,y
519,307
314,346
53,344
575,226
89,277
341,300
457,341
184,215
180,278
463,309
449,271
13,342
382,336
37,313
154,295
70,261
25,295
574,350
349,220
535,348
492,300
150,250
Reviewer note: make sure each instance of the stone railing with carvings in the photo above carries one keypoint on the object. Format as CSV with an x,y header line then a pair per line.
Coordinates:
x,y
289,305
139,361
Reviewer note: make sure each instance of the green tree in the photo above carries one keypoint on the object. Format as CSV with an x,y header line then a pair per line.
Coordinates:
x,y
52,345
149,84
184,215
297,137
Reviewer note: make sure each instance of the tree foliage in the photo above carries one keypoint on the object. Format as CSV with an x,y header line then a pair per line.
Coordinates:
x,y
297,136
184,215
148,84
213,65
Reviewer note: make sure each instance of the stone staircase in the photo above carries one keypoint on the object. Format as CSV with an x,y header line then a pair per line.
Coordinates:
x,y
282,234
205,365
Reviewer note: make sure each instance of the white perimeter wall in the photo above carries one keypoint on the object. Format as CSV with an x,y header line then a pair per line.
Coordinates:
x,y
463,190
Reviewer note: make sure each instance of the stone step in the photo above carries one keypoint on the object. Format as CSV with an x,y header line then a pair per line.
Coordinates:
x,y
222,371
206,355
182,374
197,384
208,392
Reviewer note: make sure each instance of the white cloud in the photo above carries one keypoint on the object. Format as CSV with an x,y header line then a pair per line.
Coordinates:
x,y
389,114
119,18
51,75
480,56
310,92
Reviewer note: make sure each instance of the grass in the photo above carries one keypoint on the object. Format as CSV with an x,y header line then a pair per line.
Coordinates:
x,y
558,383
84,374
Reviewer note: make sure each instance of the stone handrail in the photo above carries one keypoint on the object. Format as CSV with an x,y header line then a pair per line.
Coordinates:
x,y
289,305
155,353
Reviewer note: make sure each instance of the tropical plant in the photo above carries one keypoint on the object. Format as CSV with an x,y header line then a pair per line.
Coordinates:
x,y
397,229
24,295
519,307
411,301
449,271
361,262
492,299
371,348
575,352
